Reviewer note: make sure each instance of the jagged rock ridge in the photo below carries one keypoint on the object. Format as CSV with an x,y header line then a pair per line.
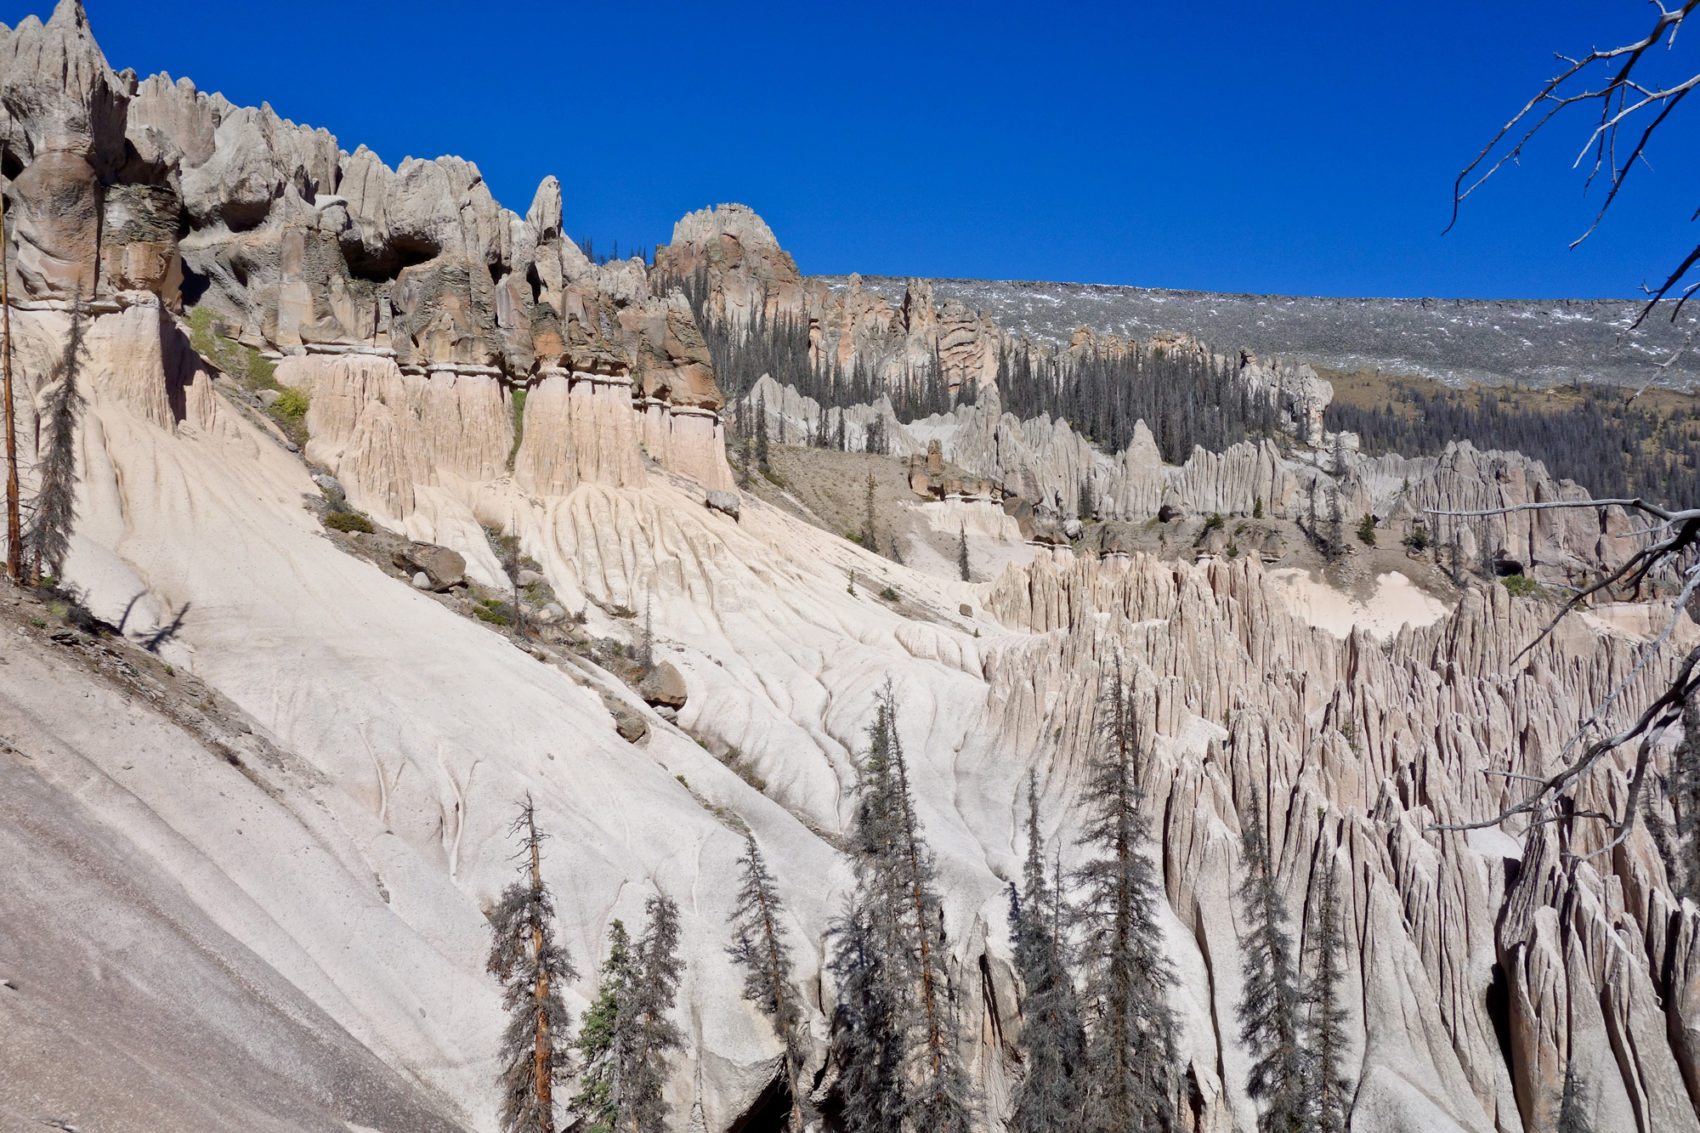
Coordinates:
x,y
338,854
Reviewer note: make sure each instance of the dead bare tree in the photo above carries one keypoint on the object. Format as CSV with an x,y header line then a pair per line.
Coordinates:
x,y
1674,537
1631,90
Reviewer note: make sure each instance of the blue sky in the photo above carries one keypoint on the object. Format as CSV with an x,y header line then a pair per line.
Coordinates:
x,y
1258,147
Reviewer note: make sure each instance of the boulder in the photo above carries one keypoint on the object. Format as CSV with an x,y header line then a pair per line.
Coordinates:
x,y
628,721
664,685
442,567
723,502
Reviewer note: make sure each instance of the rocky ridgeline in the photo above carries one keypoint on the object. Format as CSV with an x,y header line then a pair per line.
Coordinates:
x,y
367,279
1048,464
414,310
749,274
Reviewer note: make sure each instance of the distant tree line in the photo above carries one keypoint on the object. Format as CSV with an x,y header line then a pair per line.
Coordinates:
x,y
1604,441
743,351
1186,399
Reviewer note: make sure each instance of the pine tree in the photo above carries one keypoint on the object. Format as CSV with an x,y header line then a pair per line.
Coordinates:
x,y
1325,1017
1269,1004
870,538
55,510
602,1043
867,1045
760,949
962,554
1573,1104
1680,846
646,644
648,1011
1131,1031
1053,1040
532,968
761,431
508,546
898,906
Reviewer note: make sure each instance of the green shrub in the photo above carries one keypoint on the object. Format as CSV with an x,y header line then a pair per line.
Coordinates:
x,y
1417,541
1213,522
496,613
1366,530
889,594
262,372
291,404
1523,586
348,521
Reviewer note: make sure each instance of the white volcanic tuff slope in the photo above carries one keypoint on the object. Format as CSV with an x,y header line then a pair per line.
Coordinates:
x,y
132,1002
419,731
427,729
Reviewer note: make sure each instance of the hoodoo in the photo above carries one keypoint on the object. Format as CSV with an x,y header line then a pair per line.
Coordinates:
x,y
816,624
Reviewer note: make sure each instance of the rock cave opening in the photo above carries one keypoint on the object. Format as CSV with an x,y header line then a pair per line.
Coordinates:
x,y
769,1112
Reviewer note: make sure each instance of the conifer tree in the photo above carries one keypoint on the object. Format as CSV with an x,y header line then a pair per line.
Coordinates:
x,y
761,431
55,510
1573,1104
532,968
1130,1029
896,898
646,643
1324,1041
1269,1003
1680,846
962,553
602,1044
1053,1040
870,538
759,948
867,1045
647,1015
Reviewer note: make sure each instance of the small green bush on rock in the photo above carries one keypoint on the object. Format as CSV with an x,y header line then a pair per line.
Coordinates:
x,y
348,521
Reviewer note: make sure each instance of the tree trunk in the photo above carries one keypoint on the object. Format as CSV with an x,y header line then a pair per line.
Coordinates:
x,y
14,525
542,1072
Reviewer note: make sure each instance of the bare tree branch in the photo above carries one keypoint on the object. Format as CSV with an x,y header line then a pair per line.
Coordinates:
x,y
1614,80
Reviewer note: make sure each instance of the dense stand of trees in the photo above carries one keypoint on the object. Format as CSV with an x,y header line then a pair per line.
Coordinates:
x,y
1185,399
1603,440
743,351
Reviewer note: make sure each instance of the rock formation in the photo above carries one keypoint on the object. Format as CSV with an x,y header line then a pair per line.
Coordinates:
x,y
306,809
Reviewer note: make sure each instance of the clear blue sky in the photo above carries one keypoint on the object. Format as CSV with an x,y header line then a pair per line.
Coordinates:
x,y
1230,146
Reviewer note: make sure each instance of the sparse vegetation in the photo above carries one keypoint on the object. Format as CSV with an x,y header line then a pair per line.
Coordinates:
x,y
1366,529
1523,586
1418,540
890,595
291,404
348,521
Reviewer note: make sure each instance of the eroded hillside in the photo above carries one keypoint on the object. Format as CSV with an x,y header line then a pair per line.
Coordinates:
x,y
293,835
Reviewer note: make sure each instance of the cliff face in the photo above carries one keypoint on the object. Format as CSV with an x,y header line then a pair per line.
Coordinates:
x,y
301,249
307,810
